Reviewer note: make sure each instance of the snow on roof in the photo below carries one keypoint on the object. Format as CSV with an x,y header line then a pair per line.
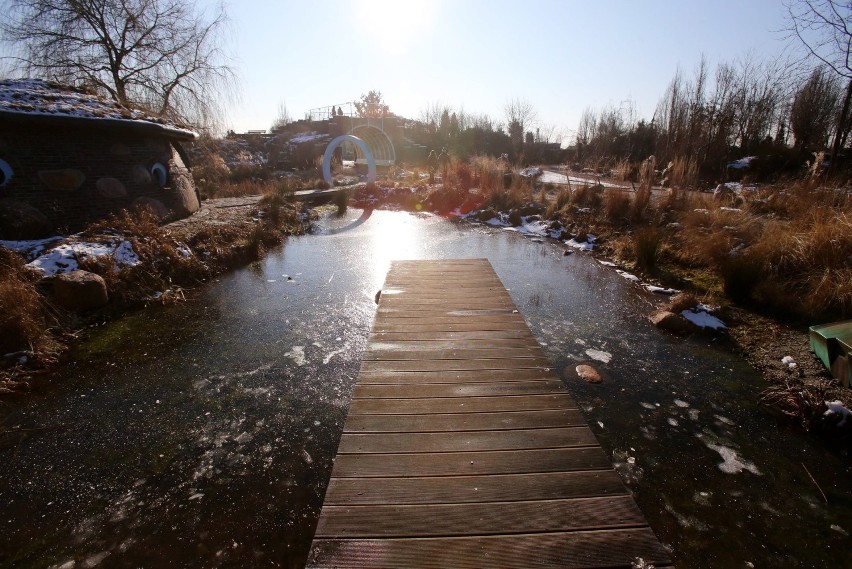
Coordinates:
x,y
35,97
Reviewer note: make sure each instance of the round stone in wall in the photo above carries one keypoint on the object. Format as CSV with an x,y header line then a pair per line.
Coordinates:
x,y
139,175
159,207
67,179
111,188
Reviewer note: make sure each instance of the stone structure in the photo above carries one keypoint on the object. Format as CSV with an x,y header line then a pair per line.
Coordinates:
x,y
68,158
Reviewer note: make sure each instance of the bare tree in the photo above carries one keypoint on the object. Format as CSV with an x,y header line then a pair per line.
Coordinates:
x,y
161,55
814,110
283,118
824,28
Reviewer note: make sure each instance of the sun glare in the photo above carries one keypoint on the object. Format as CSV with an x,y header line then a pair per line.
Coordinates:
x,y
392,23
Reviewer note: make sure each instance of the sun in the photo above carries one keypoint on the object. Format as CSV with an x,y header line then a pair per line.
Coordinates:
x,y
394,23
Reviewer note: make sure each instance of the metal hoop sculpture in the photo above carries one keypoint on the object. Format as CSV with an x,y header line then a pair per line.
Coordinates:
x,y
326,159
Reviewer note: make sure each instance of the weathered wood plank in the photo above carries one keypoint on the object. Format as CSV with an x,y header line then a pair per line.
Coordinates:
x,y
470,489
469,463
415,390
456,365
379,376
494,518
454,422
422,336
466,441
378,346
461,404
462,353
615,549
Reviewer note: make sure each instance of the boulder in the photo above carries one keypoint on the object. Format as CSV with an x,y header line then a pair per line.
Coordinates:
x,y
589,374
80,290
672,322
19,220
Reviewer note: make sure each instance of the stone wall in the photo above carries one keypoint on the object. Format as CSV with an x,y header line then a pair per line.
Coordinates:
x,y
64,178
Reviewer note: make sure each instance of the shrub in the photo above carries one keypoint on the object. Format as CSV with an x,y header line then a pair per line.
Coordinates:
x,y
616,205
23,314
646,248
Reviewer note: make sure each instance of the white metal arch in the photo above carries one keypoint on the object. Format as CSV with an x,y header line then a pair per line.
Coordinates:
x,y
365,150
378,141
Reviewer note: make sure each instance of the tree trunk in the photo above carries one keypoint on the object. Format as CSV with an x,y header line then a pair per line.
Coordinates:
x,y
839,133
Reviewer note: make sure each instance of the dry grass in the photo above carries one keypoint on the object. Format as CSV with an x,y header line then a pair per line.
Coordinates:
x,y
616,206
646,248
25,316
683,301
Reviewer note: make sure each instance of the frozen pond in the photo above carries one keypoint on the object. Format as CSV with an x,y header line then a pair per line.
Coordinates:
x,y
202,434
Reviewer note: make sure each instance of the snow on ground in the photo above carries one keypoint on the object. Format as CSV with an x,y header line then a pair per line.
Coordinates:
x,y
731,462
599,355
64,258
624,274
498,222
531,172
837,408
703,319
31,248
660,290
308,137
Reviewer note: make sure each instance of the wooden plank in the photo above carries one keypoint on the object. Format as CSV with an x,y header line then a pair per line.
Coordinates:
x,y
379,376
467,441
469,463
493,518
461,404
455,422
421,336
468,489
456,365
482,389
616,549
458,354
447,326
377,345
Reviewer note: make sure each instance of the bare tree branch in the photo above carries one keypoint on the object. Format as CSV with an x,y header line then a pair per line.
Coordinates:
x,y
161,55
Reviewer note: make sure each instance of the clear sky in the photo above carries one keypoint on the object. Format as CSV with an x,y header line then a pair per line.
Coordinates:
x,y
560,56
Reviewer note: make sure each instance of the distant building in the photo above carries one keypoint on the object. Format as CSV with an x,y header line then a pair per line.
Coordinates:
x,y
68,158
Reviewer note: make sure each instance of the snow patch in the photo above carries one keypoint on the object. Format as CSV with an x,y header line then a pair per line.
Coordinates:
x,y
599,355
703,319
837,408
731,462
624,274
64,258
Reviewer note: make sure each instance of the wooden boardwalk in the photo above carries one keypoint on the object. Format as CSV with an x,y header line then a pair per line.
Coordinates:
x,y
463,449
